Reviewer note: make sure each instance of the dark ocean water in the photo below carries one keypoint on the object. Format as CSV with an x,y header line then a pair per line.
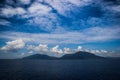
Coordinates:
x,y
60,69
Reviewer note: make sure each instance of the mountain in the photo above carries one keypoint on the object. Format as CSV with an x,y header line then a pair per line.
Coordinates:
x,y
39,56
77,55
81,55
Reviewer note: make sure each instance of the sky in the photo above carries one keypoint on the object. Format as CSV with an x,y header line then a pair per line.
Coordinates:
x,y
59,27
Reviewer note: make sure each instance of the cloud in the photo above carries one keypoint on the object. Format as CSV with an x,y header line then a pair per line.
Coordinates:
x,y
13,45
45,23
39,48
63,7
68,51
102,34
79,48
56,49
47,15
42,16
94,51
10,11
43,48
100,52
115,8
51,51
110,8
103,53
58,52
25,1
39,8
80,2
4,22
66,21
94,34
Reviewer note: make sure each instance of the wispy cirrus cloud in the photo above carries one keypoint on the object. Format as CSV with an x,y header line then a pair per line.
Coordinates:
x,y
87,35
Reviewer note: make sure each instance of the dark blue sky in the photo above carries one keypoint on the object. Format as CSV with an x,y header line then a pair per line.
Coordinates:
x,y
59,26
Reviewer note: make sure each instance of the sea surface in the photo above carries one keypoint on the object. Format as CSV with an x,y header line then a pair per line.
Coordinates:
x,y
35,69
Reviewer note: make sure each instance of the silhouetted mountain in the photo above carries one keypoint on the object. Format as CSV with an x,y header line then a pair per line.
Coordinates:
x,y
77,55
39,56
81,55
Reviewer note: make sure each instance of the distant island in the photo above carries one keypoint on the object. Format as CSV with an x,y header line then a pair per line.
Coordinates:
x,y
77,55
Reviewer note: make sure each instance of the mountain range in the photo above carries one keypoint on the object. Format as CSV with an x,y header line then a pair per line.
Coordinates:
x,y
77,55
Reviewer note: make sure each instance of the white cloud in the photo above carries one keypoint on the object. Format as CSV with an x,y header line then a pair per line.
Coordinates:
x,y
94,34
79,48
95,51
64,6
14,45
38,8
60,5
98,52
18,2
10,11
44,49
39,48
68,51
102,33
42,16
45,23
57,52
104,51
56,49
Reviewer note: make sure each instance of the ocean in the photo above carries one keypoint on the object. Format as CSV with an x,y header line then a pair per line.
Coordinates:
x,y
35,69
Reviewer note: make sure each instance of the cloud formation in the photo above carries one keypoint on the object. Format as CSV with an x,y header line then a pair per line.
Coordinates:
x,y
50,14
56,49
94,34
14,45
10,11
68,51
58,22
39,48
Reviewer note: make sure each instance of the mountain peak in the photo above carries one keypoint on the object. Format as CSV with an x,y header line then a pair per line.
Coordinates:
x,y
39,56
81,55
